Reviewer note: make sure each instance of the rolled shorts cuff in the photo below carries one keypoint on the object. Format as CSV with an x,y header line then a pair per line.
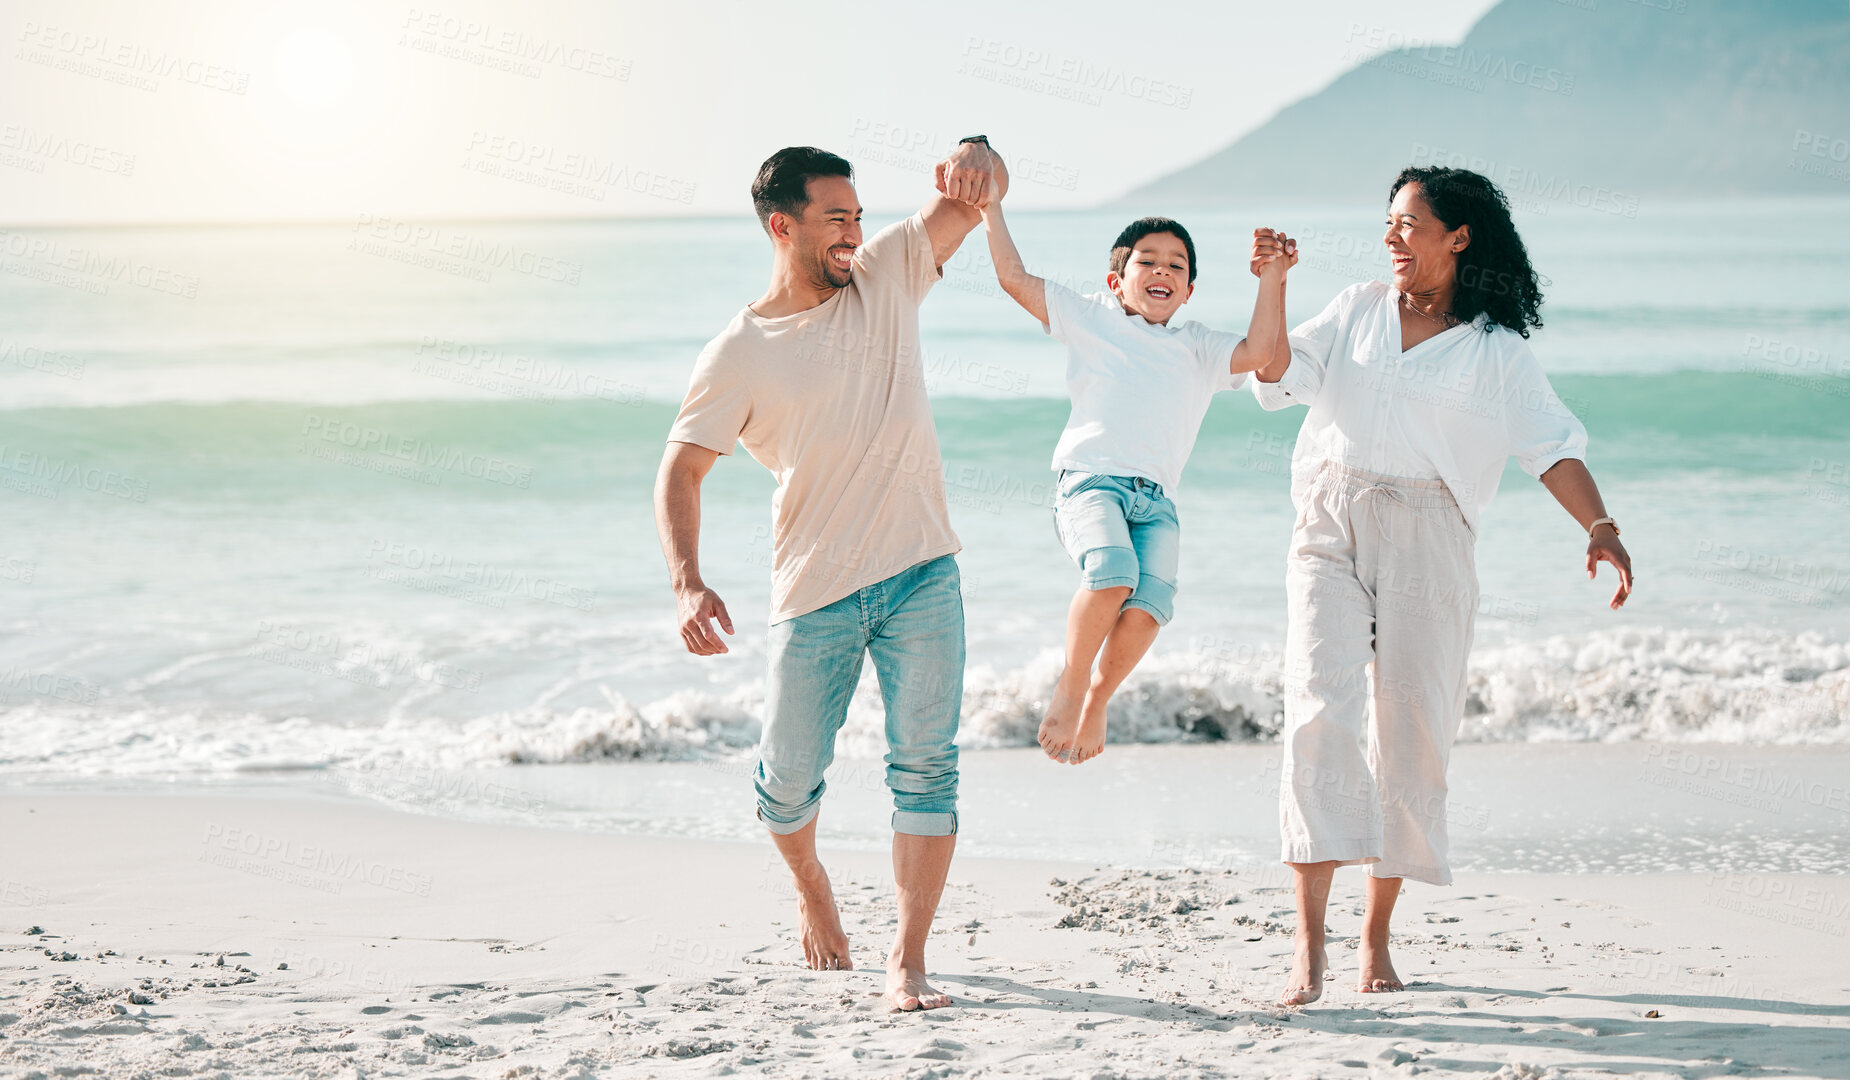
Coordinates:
x,y
1156,596
785,828
925,823
1430,875
1108,568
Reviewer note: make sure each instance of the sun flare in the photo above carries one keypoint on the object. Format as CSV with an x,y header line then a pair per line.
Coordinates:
x,y
314,68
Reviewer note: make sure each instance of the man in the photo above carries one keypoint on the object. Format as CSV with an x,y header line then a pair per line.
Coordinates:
x,y
822,380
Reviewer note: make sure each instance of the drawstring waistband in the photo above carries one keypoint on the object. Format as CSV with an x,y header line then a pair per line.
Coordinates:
x,y
1413,492
1409,492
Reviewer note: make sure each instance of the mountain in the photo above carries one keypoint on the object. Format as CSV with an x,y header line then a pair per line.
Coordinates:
x,y
1598,102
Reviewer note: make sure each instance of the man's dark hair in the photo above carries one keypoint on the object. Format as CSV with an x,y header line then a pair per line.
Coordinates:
x,y
1142,227
782,185
1494,276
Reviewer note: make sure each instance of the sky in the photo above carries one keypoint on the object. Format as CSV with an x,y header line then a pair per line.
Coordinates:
x,y
194,110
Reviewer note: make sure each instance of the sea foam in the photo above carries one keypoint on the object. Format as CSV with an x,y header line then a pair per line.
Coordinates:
x,y
1658,685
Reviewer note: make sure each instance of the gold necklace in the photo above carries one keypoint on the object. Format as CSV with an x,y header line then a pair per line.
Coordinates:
x,y
1448,320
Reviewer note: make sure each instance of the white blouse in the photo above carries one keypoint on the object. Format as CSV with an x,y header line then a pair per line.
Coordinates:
x,y
1455,407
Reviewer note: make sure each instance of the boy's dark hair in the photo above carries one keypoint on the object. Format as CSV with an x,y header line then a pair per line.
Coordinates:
x,y
1142,227
782,185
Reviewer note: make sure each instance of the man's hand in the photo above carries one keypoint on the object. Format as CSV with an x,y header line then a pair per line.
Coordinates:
x,y
1275,249
677,519
971,178
968,175
698,606
1604,546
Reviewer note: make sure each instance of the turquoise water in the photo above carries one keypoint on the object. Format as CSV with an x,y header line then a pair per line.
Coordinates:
x,y
347,501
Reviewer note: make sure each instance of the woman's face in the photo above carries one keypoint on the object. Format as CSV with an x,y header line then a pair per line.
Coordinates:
x,y
1424,253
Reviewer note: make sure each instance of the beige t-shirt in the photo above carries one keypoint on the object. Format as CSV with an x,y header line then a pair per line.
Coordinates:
x,y
832,401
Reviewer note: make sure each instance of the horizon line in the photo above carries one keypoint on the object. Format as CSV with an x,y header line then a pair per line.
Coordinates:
x,y
597,219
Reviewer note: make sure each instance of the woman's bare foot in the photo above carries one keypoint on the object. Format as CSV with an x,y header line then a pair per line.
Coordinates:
x,y
907,990
825,946
1061,724
1306,983
1089,739
1378,976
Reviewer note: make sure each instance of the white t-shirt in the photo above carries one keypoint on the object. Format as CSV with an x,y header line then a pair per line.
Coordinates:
x,y
1139,390
1455,407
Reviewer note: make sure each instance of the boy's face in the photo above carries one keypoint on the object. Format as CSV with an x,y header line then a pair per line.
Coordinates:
x,y
1155,279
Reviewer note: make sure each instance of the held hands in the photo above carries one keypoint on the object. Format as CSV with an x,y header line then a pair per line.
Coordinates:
x,y
1273,250
968,175
697,605
1604,546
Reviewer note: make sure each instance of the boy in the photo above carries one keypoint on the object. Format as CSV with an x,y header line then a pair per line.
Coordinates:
x,y
1140,388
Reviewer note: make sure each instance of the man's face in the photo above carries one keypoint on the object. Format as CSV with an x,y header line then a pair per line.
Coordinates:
x,y
1155,278
823,237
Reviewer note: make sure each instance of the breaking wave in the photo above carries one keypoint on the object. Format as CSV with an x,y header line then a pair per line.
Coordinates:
x,y
1658,685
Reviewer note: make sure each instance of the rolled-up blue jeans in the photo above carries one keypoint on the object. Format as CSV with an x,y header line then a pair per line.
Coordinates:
x,y
912,624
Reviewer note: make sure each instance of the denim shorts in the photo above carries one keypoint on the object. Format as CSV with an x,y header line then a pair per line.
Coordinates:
x,y
1122,531
912,624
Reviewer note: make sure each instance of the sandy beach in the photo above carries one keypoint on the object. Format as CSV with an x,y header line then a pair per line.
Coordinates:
x,y
237,936
391,395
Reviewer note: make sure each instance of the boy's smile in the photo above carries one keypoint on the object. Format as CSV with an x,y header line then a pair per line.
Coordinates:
x,y
1155,279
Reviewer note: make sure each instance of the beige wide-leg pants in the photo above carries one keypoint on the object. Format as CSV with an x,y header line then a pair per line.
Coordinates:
x,y
1382,596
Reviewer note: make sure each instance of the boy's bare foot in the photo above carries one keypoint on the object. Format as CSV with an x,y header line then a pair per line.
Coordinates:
x,y
1089,740
1306,983
1378,976
1061,725
907,990
825,946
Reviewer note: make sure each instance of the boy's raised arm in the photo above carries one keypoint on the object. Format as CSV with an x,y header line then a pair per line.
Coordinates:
x,y
1265,348
1028,291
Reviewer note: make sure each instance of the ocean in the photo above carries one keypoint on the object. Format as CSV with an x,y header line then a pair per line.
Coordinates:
x,y
297,501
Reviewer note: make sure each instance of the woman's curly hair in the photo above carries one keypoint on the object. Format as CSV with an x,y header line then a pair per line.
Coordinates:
x,y
1494,275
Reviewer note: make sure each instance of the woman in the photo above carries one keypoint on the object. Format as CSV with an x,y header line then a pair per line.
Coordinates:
x,y
1419,391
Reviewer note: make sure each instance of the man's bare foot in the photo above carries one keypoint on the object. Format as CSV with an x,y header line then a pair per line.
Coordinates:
x,y
1089,739
907,990
1062,721
1378,976
825,946
1306,983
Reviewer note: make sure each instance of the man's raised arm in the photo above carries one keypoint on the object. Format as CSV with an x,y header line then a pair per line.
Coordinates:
x,y
677,520
973,175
